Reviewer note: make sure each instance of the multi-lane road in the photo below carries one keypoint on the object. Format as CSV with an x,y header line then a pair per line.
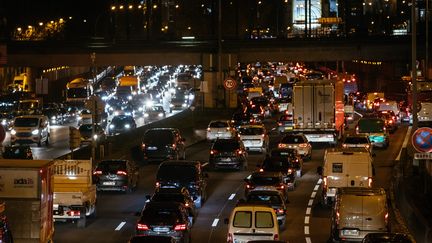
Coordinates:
x,y
307,220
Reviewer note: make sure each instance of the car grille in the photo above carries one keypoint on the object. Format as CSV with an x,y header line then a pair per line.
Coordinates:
x,y
23,134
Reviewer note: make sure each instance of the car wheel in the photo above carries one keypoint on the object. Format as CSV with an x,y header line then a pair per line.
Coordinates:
x,y
47,141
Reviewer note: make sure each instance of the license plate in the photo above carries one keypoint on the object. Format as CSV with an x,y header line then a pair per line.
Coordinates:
x,y
108,183
152,148
351,232
161,229
55,206
226,159
288,128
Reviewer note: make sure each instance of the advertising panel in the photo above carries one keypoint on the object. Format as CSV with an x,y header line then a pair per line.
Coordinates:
x,y
18,183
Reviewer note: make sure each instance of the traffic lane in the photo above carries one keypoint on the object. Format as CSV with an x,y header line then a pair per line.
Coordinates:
x,y
320,220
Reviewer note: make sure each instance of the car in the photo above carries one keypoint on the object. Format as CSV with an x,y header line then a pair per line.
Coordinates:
x,y
6,121
245,219
228,153
54,115
283,165
357,141
387,237
155,112
188,174
299,142
285,123
254,137
292,155
220,129
262,178
17,152
390,121
30,129
270,196
258,112
167,219
241,118
85,117
116,175
176,194
263,102
151,239
162,144
87,136
120,124
283,105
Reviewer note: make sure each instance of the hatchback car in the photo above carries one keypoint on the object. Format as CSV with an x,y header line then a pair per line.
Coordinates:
x,y
283,165
155,112
116,175
167,219
228,153
270,196
285,123
220,129
17,152
254,137
178,194
188,174
121,124
299,142
357,141
262,178
162,144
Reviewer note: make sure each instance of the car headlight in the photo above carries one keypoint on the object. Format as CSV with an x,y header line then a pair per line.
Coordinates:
x,y
4,122
95,137
184,105
149,103
129,97
111,126
35,132
140,109
53,118
146,115
171,105
13,132
160,115
127,126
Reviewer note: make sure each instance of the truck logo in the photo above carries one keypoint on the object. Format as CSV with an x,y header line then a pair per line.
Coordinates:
x,y
23,182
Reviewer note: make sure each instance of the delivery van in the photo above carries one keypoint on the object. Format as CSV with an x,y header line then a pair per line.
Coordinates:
x,y
345,168
357,212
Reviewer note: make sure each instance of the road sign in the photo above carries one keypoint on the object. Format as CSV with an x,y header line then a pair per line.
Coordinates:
x,y
230,84
423,156
2,134
74,138
422,140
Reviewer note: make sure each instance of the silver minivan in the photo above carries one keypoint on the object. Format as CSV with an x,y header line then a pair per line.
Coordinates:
x,y
30,129
358,211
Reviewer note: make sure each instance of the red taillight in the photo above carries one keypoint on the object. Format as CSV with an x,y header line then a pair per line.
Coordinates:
x,y
303,145
281,145
357,130
290,171
276,237
344,146
213,151
180,227
173,145
280,211
74,213
142,227
370,182
337,217
325,181
208,129
239,152
121,172
261,170
229,238
97,172
143,146
386,216
279,123
157,184
281,186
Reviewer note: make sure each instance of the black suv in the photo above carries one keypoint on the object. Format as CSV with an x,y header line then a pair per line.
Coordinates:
x,y
17,152
228,153
116,175
188,174
165,218
283,165
162,144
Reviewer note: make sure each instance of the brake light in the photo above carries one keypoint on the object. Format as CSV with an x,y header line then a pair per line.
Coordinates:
x,y
239,152
157,184
97,172
74,213
281,187
279,123
386,218
370,182
180,227
281,145
290,171
121,172
229,238
261,170
208,129
143,146
344,145
186,204
213,151
367,146
325,181
276,237
263,135
280,211
142,227
303,145
173,145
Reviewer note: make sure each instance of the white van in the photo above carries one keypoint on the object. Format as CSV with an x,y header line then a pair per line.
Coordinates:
x,y
252,222
30,129
345,168
390,105
357,212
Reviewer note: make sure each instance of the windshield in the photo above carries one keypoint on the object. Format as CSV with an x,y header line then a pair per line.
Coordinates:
x,y
111,166
77,93
159,213
218,124
293,139
31,105
158,137
177,173
265,180
356,140
371,125
26,122
276,164
251,131
226,145
122,119
164,197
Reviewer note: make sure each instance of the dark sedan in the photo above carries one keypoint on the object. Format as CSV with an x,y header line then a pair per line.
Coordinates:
x,y
116,175
121,124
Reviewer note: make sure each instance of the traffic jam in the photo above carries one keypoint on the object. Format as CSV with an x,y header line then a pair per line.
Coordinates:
x,y
286,113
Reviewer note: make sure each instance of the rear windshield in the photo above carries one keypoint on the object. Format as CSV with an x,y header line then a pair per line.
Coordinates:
x,y
293,139
263,219
251,131
112,166
356,140
242,219
165,197
276,164
264,198
177,173
218,124
226,145
159,137
265,181
371,125
161,213
26,122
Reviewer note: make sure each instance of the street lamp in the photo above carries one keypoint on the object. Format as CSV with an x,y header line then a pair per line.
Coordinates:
x,y
414,64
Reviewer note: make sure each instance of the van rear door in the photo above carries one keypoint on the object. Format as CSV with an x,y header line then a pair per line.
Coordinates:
x,y
358,172
374,213
336,170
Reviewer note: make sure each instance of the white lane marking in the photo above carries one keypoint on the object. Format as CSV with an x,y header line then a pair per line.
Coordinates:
x,y
306,220
215,222
313,194
232,196
358,114
308,210
308,240
310,202
120,226
205,164
306,230
319,181
405,142
316,187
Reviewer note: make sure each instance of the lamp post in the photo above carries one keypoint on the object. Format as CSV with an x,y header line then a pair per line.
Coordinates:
x,y
414,64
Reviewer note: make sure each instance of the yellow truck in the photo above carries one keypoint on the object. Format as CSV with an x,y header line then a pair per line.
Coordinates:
x,y
20,83
371,98
74,192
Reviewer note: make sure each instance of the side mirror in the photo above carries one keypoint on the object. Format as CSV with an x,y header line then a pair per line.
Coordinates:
x,y
226,221
320,170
